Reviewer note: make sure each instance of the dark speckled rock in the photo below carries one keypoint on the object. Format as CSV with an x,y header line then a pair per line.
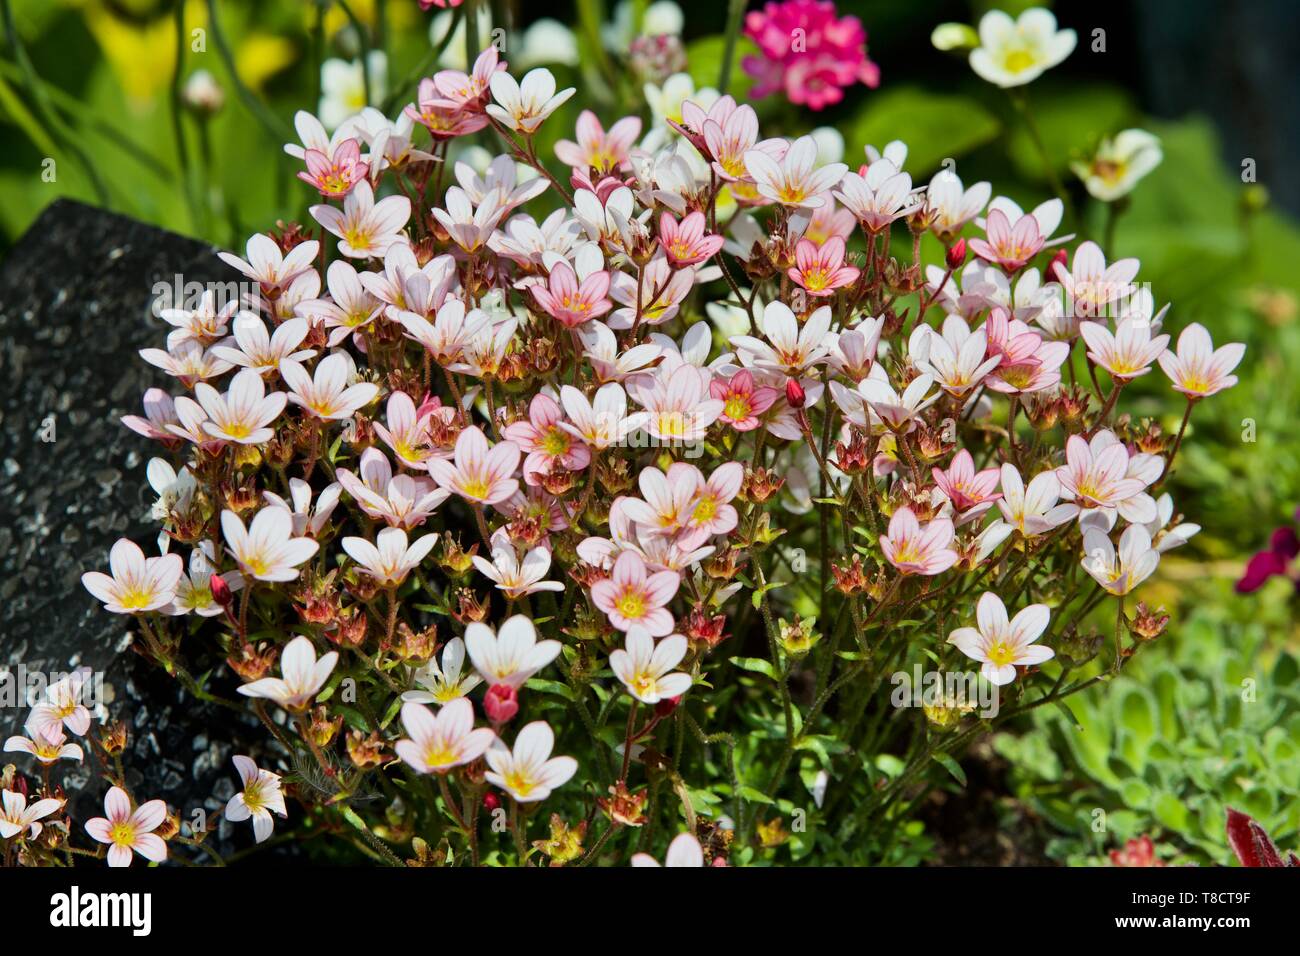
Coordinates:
x,y
75,306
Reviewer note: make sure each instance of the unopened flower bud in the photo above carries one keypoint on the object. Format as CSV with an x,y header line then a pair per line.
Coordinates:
x,y
221,592
1057,265
956,255
666,706
794,393
501,703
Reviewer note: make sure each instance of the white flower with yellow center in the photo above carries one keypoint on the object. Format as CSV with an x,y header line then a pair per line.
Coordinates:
x,y
137,584
1016,52
645,667
1001,644
260,797
528,772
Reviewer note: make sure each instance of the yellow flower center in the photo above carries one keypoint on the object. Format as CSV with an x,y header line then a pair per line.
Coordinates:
x,y
518,784
123,834
475,488
631,605
1002,653
556,441
1017,61
737,408
705,510
135,598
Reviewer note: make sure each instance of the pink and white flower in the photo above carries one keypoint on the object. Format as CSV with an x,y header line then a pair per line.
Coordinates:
x,y
390,559
441,685
1013,237
1034,510
632,597
60,705
268,266
743,402
47,745
821,270
879,197
513,576
1197,368
243,413
267,549
600,422
970,492
441,742
793,179
1102,474
678,406
479,473
136,584
511,655
1126,354
570,302
126,830
789,348
686,243
403,501
302,676
522,107
605,152
365,228
646,667
914,549
17,818
1119,573
260,351
528,772
325,393
260,797
547,444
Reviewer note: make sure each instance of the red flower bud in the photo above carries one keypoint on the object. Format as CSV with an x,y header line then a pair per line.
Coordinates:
x,y
501,703
1056,265
491,802
794,393
956,255
666,706
220,590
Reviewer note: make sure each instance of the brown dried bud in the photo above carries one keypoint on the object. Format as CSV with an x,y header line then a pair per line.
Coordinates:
x,y
350,629
365,750
469,609
760,484
113,737
850,578
623,806
252,663
1146,624
322,727
705,629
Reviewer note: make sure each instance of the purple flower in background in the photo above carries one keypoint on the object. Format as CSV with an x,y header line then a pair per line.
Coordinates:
x,y
1283,546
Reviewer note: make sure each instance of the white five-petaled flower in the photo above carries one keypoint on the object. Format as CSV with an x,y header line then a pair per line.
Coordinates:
x,y
955,357
326,394
60,705
510,656
365,228
523,106
390,560
440,742
685,850
1016,52
302,676
788,348
262,351
1119,163
1197,368
793,180
125,830
1126,354
266,549
899,413
260,797
603,421
914,549
645,667
305,519
270,267
1001,644
47,744
1119,573
1034,510
446,683
1102,474
194,590
16,816
137,584
528,772
513,576
243,413
881,196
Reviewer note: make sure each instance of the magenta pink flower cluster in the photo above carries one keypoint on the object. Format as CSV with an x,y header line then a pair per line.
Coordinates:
x,y
808,52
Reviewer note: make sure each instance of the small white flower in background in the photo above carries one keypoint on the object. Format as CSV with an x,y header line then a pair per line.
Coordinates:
x,y
16,816
830,144
305,520
1016,52
446,683
343,87
528,772
685,850
267,549
439,742
303,676
1196,368
326,393
1001,644
645,666
126,831
895,151
453,51
1119,164
510,656
202,93
546,41
390,559
1119,573
137,583
260,797
513,576
657,19
523,106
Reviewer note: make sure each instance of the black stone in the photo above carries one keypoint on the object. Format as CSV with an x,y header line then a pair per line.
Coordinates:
x,y
76,298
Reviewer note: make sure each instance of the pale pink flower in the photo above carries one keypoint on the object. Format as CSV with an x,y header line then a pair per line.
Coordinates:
x,y
325,393
390,559
467,91
403,501
879,197
743,402
406,431
267,549
646,667
243,413
47,745
685,850
529,773
260,797
948,207
899,413
1197,368
1001,644
793,180
60,705
512,576
597,149
260,351
479,473
608,361
913,549
1013,237
447,335
302,676
662,290
728,139
956,358
1128,352
1119,573
441,117
470,227
572,303
678,404
523,106
1094,288
335,175
443,741
126,830
365,228
268,266
188,361
500,178
510,656
710,511
686,243
631,597
971,492
349,310
667,497
159,413
205,323
194,590
547,444
853,352
788,348
1101,474
137,584
16,816
1034,510
820,271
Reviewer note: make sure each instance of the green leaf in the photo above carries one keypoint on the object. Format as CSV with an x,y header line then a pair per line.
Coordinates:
x,y
952,766
754,796
935,126
757,665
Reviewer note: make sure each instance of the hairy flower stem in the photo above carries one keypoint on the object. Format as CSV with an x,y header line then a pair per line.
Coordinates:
x,y
1178,440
